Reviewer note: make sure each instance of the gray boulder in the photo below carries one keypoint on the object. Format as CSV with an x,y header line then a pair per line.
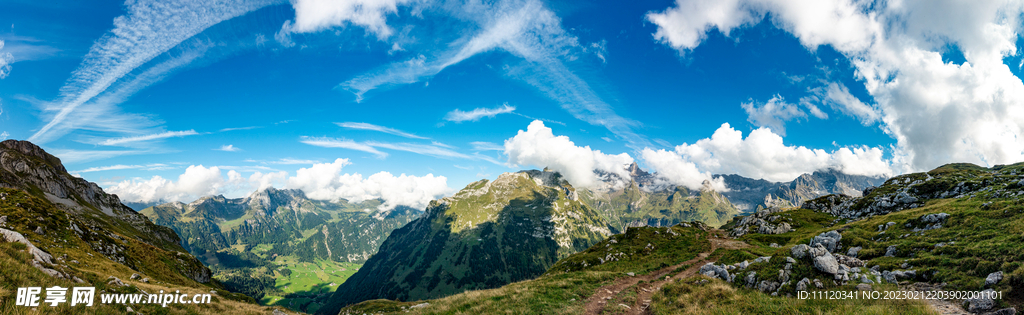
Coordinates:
x,y
993,278
890,251
802,284
823,260
935,217
982,303
853,251
799,251
828,239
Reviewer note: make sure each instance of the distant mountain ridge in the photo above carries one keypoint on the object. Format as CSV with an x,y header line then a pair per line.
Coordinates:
x,y
489,234
749,194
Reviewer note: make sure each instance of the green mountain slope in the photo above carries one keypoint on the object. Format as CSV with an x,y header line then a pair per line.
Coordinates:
x,y
61,230
250,243
636,206
487,235
956,228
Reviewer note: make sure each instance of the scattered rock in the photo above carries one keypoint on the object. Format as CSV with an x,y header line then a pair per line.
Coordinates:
x,y
993,278
39,230
828,239
981,304
424,304
799,251
790,260
849,261
864,287
802,284
278,312
890,251
818,284
763,259
129,310
935,217
630,274
115,282
135,276
852,252
711,270
144,280
1005,311
823,260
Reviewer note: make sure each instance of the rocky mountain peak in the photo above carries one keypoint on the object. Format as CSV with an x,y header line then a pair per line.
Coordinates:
x,y
30,149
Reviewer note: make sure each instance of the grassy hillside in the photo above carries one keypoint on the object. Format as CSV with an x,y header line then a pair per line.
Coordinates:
x,y
487,235
635,206
279,247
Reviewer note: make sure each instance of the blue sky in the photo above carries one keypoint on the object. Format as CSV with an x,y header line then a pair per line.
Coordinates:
x,y
137,96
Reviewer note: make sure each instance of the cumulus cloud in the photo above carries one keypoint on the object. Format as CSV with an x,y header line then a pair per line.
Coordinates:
x,y
195,182
318,15
326,181
367,126
475,114
322,181
163,135
539,147
762,154
776,112
937,112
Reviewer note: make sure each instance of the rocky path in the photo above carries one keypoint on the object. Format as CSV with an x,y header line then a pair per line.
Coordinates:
x,y
596,303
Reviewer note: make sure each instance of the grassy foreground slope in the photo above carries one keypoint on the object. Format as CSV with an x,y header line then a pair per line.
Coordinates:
x,y
947,229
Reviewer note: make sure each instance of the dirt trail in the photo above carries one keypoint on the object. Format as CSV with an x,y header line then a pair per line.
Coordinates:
x,y
596,303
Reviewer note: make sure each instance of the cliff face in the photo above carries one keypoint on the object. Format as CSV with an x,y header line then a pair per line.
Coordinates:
x,y
96,219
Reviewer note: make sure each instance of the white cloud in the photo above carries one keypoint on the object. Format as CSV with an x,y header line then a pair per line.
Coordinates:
x,y
776,112
524,29
367,126
228,148
837,96
424,149
71,156
326,181
164,135
148,167
539,147
4,135
318,15
6,59
240,128
937,112
684,26
197,181
342,143
486,146
672,169
475,114
762,154
322,181
149,29
294,161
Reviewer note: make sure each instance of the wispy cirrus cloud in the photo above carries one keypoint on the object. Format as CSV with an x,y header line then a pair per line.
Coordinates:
x,y
228,148
71,156
424,149
459,116
6,59
148,167
342,143
486,146
240,128
368,126
149,29
157,136
525,29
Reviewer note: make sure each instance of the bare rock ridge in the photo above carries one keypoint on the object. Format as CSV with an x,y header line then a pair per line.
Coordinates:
x,y
95,217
